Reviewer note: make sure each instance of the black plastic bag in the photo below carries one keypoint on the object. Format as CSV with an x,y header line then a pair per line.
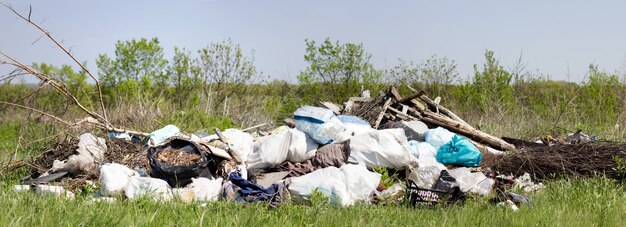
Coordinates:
x,y
179,176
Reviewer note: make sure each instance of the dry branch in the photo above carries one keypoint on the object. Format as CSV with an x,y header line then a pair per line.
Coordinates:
x,y
45,32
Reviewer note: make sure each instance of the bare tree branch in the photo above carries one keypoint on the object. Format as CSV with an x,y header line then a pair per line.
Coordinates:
x,y
28,19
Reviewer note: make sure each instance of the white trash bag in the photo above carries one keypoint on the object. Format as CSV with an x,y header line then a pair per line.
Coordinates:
x,y
156,188
344,186
475,182
90,150
388,148
114,178
438,137
239,141
206,189
302,147
269,151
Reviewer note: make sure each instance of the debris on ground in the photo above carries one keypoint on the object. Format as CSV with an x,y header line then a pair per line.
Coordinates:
x,y
383,150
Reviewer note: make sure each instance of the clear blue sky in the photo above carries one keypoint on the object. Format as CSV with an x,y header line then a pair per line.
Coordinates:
x,y
555,37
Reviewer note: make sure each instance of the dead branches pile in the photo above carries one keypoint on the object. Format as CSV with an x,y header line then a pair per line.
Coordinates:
x,y
586,159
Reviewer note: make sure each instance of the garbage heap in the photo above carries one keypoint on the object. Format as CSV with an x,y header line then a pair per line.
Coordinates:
x,y
379,150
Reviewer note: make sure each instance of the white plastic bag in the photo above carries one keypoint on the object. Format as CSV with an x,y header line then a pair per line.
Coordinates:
x,y
438,137
269,151
425,177
360,183
186,195
156,188
344,186
205,189
239,141
328,181
469,181
302,147
388,148
114,178
90,150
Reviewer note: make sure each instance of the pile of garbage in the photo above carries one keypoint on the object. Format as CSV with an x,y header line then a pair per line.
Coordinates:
x,y
390,149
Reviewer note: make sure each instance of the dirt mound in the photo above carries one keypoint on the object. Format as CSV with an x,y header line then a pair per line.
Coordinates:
x,y
177,157
584,160
118,151
126,153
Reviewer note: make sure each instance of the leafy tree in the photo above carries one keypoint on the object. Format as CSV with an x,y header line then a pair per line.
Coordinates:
x,y
492,86
341,68
433,75
601,91
184,76
138,63
225,69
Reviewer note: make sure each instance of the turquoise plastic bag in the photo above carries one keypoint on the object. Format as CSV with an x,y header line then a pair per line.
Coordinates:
x,y
460,152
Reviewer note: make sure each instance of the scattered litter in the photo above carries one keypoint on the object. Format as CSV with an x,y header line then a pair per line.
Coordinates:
x,y
53,191
160,136
19,188
525,183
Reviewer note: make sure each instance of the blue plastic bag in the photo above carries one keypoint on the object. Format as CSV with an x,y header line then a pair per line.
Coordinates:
x,y
459,151
320,124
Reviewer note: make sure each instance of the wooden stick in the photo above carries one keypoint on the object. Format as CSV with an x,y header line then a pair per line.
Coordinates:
x,y
229,150
442,109
38,111
382,113
253,127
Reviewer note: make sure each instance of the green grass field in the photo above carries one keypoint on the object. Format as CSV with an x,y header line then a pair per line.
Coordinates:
x,y
566,202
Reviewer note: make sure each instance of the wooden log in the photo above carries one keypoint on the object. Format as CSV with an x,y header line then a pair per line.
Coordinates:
x,y
469,132
402,115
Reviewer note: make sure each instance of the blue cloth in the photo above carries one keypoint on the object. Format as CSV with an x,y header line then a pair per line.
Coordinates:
x,y
250,192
